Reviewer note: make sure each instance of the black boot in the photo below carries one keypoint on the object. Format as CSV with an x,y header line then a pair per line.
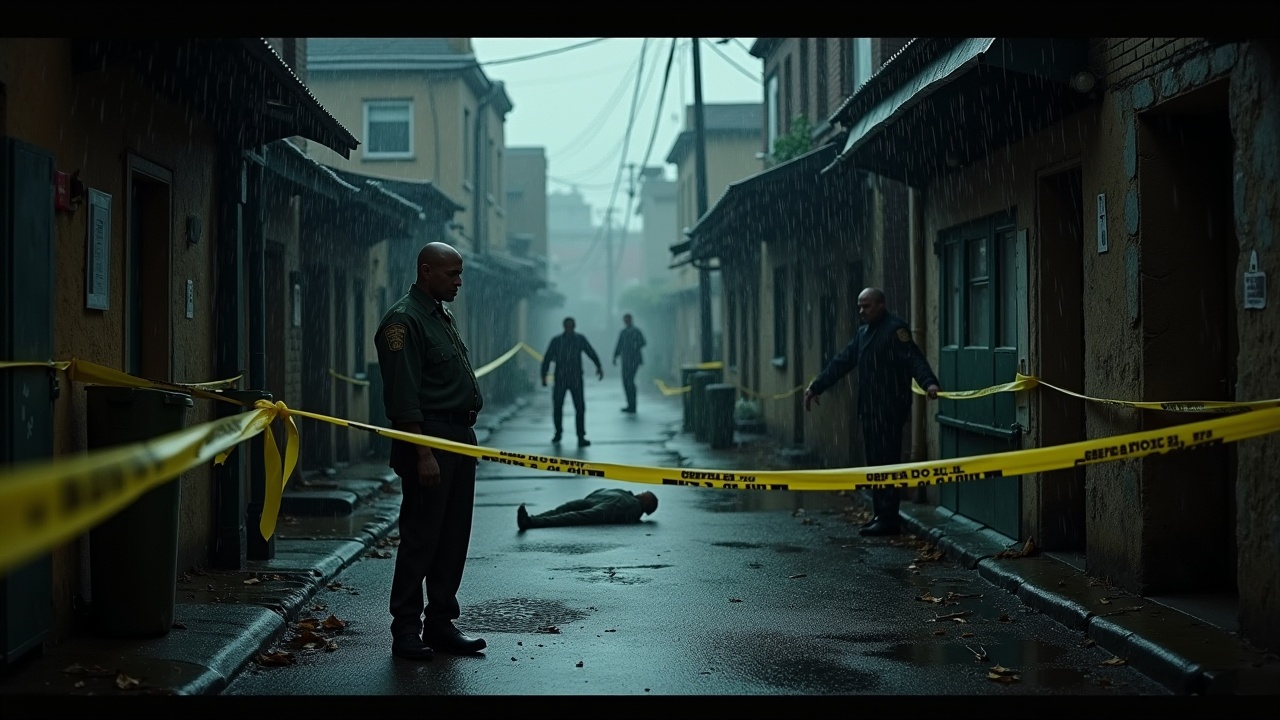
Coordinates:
x,y
522,517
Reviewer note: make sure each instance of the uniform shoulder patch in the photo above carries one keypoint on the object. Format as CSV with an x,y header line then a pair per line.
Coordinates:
x,y
394,333
904,335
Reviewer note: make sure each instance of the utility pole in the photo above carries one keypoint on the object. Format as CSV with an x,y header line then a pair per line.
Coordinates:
x,y
608,265
700,185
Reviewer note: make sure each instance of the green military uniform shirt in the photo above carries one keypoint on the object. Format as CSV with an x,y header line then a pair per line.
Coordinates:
x,y
425,366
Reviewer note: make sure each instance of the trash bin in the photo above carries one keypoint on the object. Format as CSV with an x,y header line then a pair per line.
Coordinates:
x,y
686,372
133,555
698,403
720,400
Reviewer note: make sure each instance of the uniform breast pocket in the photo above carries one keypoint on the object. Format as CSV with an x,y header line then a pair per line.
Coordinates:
x,y
439,354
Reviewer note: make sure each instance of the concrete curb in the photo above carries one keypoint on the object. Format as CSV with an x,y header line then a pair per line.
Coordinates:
x,y
1174,649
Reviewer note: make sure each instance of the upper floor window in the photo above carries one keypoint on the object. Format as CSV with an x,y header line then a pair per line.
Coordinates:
x,y
771,101
388,129
861,67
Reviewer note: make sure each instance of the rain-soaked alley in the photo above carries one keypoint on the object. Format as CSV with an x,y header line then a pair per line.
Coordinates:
x,y
719,592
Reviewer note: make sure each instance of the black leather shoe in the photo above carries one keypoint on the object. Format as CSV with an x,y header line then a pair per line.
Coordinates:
x,y
556,440
880,528
583,442
870,522
410,647
522,517
628,410
448,638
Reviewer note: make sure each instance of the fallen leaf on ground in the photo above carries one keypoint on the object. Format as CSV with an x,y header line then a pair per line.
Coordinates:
x,y
1088,643
928,598
793,577
1105,601
735,599
611,630
331,646
1113,661
307,640
319,607
334,585
124,682
929,554
552,629
1002,670
308,624
913,566
252,581
966,634
579,664
960,596
275,659
333,623
1003,678
383,554
939,632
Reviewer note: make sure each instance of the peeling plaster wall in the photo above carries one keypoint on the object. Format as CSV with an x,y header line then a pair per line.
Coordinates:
x,y
1255,119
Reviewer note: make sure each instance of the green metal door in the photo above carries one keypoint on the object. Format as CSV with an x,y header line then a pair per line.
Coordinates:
x,y
979,348
26,394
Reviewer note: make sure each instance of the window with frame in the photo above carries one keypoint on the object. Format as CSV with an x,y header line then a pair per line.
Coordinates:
x,y
779,314
979,285
860,67
788,90
388,129
468,147
771,100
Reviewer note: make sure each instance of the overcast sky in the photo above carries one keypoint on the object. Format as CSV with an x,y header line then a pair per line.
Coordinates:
x,y
576,103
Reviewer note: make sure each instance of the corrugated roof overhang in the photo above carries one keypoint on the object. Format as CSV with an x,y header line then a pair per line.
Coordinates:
x,y
240,85
944,102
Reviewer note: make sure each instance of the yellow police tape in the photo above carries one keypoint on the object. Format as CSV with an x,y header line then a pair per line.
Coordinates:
x,y
1027,382
83,371
45,503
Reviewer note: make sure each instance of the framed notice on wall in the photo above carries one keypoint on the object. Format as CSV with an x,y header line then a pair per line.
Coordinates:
x,y
97,271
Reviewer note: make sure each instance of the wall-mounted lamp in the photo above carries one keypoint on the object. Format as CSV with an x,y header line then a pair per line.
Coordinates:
x,y
1083,81
69,191
193,229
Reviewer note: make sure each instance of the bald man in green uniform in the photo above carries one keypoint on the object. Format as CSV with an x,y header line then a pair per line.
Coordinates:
x,y
430,389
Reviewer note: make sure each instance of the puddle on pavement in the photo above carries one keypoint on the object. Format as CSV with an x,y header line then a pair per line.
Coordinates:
x,y
520,615
1020,654
621,575
798,664
566,548
776,547
816,502
337,526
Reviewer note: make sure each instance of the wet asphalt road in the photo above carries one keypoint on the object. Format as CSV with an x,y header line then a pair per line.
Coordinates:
x,y
717,593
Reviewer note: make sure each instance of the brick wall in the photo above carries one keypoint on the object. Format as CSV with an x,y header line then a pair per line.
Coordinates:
x,y
1125,60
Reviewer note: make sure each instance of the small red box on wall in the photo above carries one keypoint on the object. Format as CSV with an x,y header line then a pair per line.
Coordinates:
x,y
62,191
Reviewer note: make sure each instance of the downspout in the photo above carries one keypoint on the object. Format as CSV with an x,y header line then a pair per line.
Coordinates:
x,y
255,245
228,478
915,233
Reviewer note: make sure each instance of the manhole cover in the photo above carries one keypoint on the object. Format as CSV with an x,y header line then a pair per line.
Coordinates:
x,y
518,615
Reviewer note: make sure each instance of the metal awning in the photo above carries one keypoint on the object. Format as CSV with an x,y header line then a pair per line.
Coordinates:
x,y
955,99
241,86
789,200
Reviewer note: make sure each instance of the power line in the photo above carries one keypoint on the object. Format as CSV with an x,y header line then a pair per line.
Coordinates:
x,y
662,94
593,127
626,139
545,53
729,60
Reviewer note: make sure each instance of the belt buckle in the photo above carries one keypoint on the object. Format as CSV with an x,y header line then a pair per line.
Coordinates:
x,y
471,417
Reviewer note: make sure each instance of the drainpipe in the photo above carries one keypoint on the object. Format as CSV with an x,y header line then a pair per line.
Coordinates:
x,y
255,241
915,233
229,346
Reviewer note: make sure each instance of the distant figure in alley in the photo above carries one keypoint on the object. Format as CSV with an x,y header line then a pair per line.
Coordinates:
x,y
630,341
566,351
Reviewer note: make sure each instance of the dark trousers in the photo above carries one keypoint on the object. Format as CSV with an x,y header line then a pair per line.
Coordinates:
x,y
579,406
435,531
882,441
629,368
574,512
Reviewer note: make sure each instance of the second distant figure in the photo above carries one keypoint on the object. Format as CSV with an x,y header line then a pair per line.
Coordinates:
x,y
630,341
566,352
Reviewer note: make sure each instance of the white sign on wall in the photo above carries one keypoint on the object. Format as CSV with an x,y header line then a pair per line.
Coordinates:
x,y
1255,285
97,268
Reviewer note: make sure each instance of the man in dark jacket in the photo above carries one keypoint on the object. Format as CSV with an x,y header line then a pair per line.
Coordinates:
x,y
566,352
602,507
630,340
887,358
